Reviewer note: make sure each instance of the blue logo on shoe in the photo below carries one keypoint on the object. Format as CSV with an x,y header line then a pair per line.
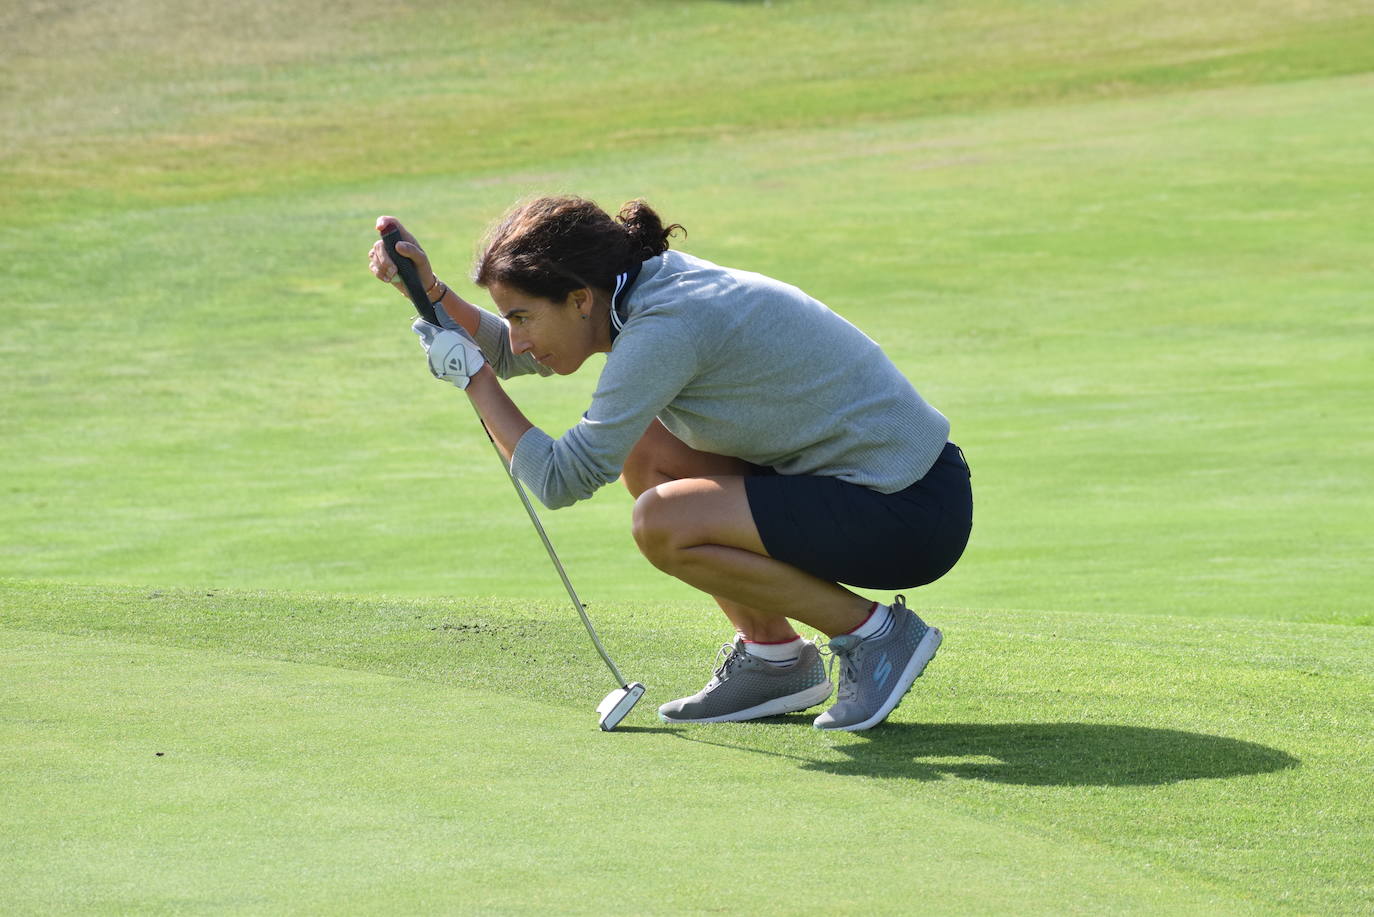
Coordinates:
x,y
883,670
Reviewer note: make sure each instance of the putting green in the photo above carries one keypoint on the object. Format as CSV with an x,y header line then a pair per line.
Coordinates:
x,y
157,778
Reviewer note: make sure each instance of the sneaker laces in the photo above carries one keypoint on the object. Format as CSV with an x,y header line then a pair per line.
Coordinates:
x,y
849,671
725,657
844,648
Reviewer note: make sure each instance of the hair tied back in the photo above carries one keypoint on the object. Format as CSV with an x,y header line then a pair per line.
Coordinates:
x,y
646,228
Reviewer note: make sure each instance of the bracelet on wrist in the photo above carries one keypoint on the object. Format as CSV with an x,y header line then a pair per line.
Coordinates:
x,y
436,298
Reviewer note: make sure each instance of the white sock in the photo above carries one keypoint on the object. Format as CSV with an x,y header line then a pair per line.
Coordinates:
x,y
878,623
778,654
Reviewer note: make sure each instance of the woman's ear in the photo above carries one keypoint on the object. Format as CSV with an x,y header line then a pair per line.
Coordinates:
x,y
581,300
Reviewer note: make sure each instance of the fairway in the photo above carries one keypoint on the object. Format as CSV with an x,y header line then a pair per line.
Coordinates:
x,y
275,633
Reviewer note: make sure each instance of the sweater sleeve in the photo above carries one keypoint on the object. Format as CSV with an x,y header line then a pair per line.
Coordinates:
x,y
652,361
493,338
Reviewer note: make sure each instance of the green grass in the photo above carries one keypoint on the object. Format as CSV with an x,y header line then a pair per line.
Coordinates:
x,y
1135,345
1123,245
498,88
267,750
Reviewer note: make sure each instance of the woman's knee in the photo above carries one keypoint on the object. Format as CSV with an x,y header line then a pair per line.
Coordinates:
x,y
639,472
651,529
644,466
672,518
659,457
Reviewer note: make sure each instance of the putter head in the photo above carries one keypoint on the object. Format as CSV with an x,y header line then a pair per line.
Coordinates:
x,y
619,702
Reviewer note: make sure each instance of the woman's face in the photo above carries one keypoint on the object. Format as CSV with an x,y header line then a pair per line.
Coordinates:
x,y
558,335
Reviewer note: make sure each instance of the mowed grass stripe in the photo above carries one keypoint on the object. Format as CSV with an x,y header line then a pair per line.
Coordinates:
x,y
1139,316
160,778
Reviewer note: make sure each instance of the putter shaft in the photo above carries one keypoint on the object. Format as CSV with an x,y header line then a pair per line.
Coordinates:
x,y
415,290
548,546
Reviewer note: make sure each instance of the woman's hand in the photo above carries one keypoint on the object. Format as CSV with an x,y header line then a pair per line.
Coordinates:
x,y
453,355
380,262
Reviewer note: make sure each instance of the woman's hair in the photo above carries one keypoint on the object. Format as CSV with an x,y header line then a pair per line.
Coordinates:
x,y
550,246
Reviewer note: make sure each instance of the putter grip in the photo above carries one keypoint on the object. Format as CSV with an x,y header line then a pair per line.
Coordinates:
x,y
410,277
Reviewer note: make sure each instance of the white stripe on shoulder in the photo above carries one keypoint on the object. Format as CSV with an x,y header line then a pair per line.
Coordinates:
x,y
620,280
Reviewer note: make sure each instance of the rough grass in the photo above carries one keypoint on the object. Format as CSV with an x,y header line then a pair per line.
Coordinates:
x,y
252,99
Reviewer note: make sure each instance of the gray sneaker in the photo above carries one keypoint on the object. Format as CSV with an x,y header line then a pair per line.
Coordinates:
x,y
877,672
745,687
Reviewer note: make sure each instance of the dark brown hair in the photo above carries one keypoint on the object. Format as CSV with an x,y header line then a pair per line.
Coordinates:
x,y
550,246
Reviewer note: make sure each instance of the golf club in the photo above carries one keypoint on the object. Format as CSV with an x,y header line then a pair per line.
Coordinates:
x,y
614,706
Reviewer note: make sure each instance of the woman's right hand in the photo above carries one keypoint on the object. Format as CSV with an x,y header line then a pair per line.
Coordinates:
x,y
380,262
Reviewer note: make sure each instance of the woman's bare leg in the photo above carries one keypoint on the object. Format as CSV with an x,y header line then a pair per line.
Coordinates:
x,y
701,531
692,520
660,457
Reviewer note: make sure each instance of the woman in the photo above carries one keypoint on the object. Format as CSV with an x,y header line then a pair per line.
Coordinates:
x,y
774,451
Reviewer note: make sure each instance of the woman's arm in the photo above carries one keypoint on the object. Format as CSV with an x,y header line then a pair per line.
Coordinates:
x,y
463,313
505,422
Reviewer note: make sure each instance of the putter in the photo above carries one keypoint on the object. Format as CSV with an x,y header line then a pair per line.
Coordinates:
x,y
614,706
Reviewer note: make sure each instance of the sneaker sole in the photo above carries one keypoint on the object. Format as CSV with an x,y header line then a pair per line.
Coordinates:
x,y
925,651
792,703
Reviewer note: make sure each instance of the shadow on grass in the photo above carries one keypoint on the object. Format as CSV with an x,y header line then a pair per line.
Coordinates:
x,y
1037,754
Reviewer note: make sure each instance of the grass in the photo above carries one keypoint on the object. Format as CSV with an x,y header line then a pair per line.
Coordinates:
x,y
527,84
188,737
1133,344
1123,245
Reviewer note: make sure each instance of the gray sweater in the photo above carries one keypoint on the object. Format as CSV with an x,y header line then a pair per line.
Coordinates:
x,y
737,364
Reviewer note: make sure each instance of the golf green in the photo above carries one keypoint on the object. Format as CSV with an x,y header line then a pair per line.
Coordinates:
x,y
173,749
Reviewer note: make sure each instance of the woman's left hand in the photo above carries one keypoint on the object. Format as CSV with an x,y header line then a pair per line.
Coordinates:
x,y
381,264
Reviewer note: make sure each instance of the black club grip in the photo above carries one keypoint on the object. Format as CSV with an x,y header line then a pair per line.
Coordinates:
x,y
410,277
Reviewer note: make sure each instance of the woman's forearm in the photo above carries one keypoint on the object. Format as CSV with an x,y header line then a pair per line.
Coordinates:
x,y
503,418
461,311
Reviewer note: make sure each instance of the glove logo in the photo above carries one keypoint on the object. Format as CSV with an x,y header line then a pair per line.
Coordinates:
x,y
453,355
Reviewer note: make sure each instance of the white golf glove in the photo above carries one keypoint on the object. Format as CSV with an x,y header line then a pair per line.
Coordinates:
x,y
453,355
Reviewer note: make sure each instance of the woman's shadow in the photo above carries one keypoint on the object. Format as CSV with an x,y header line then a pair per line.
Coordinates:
x,y
1040,754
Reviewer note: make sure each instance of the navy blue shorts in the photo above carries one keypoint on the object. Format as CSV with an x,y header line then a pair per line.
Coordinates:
x,y
845,533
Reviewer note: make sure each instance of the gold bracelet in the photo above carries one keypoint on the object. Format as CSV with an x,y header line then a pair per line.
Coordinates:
x,y
435,300
434,286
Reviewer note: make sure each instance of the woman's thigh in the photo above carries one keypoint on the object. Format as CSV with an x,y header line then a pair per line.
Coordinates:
x,y
839,532
690,512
